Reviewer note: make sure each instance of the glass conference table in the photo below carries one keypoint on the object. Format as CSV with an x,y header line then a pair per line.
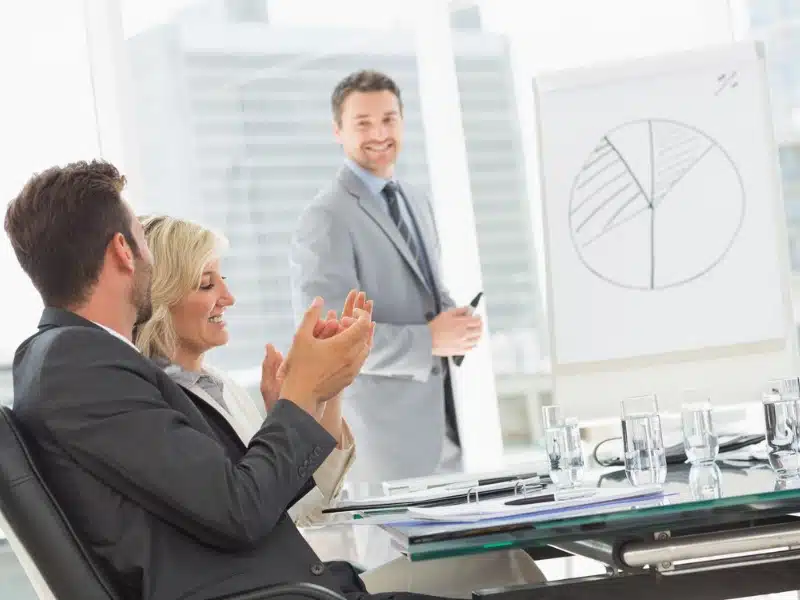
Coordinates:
x,y
726,533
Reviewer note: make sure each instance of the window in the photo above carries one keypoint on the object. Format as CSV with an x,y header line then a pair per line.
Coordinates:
x,y
233,129
777,24
47,118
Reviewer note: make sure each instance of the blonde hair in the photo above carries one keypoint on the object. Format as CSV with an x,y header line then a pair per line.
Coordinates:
x,y
181,250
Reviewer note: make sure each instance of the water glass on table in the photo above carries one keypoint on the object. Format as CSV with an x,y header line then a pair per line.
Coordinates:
x,y
563,446
782,429
705,481
699,439
642,440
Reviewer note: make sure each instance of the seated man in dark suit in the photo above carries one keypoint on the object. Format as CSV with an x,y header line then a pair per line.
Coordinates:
x,y
160,486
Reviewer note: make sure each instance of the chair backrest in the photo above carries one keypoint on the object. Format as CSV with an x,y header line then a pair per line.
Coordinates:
x,y
64,562
58,554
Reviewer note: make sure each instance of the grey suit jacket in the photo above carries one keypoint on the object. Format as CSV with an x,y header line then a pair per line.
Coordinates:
x,y
396,406
156,482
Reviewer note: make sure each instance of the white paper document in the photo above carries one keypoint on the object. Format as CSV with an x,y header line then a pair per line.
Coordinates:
x,y
567,502
448,494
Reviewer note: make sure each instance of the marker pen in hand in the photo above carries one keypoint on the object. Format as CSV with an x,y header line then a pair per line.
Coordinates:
x,y
472,306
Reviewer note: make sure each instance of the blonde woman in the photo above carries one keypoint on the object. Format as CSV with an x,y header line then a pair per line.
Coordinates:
x,y
190,297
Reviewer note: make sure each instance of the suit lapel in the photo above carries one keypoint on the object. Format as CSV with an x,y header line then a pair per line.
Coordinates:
x,y
220,429
208,399
355,187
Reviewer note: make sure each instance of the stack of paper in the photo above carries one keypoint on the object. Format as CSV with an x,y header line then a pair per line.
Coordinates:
x,y
567,502
436,496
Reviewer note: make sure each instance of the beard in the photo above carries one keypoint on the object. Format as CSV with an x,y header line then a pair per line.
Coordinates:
x,y
140,294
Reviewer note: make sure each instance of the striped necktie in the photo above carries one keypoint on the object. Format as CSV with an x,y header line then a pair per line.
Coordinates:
x,y
390,191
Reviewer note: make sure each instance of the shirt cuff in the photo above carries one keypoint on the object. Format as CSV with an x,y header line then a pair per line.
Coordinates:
x,y
331,473
329,478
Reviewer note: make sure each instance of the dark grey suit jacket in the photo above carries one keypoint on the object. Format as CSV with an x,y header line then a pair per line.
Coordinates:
x,y
163,491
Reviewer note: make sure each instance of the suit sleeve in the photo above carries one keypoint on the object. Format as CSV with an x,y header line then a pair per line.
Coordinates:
x,y
114,423
323,263
255,412
329,479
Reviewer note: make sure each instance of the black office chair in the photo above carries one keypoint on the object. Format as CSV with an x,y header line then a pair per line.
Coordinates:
x,y
62,559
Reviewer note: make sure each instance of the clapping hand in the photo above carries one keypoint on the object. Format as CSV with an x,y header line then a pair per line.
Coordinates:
x,y
355,303
273,367
271,376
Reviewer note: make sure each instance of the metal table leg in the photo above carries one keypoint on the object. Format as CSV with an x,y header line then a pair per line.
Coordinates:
x,y
715,584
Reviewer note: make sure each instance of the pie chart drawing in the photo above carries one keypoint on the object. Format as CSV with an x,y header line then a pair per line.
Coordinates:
x,y
656,204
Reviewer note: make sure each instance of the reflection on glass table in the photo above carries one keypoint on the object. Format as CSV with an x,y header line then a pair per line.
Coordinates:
x,y
694,499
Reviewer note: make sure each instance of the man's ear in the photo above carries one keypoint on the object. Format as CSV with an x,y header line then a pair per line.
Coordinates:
x,y
122,253
337,131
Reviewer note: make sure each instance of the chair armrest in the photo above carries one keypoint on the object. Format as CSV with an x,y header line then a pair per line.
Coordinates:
x,y
288,590
358,567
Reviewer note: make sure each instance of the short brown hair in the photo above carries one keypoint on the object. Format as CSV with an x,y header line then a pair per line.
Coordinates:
x,y
362,81
60,225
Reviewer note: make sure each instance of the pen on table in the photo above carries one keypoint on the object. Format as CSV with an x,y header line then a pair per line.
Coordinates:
x,y
527,477
532,480
549,498
531,500
457,485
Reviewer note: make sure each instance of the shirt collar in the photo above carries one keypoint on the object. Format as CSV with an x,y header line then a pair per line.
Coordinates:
x,y
117,335
189,378
373,183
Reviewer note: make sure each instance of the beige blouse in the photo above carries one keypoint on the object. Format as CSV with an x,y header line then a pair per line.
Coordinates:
x,y
245,416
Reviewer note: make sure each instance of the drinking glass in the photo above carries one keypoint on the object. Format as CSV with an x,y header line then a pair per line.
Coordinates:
x,y
699,439
782,432
643,443
705,481
563,446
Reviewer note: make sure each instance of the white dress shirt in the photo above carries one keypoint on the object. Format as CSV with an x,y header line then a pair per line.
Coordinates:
x,y
117,335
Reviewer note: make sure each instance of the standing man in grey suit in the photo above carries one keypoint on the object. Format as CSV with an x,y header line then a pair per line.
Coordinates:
x,y
368,230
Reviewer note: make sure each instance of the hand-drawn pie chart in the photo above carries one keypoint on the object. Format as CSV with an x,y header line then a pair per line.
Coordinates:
x,y
655,205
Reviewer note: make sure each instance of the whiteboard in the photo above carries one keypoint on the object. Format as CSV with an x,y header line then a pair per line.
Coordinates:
x,y
661,217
